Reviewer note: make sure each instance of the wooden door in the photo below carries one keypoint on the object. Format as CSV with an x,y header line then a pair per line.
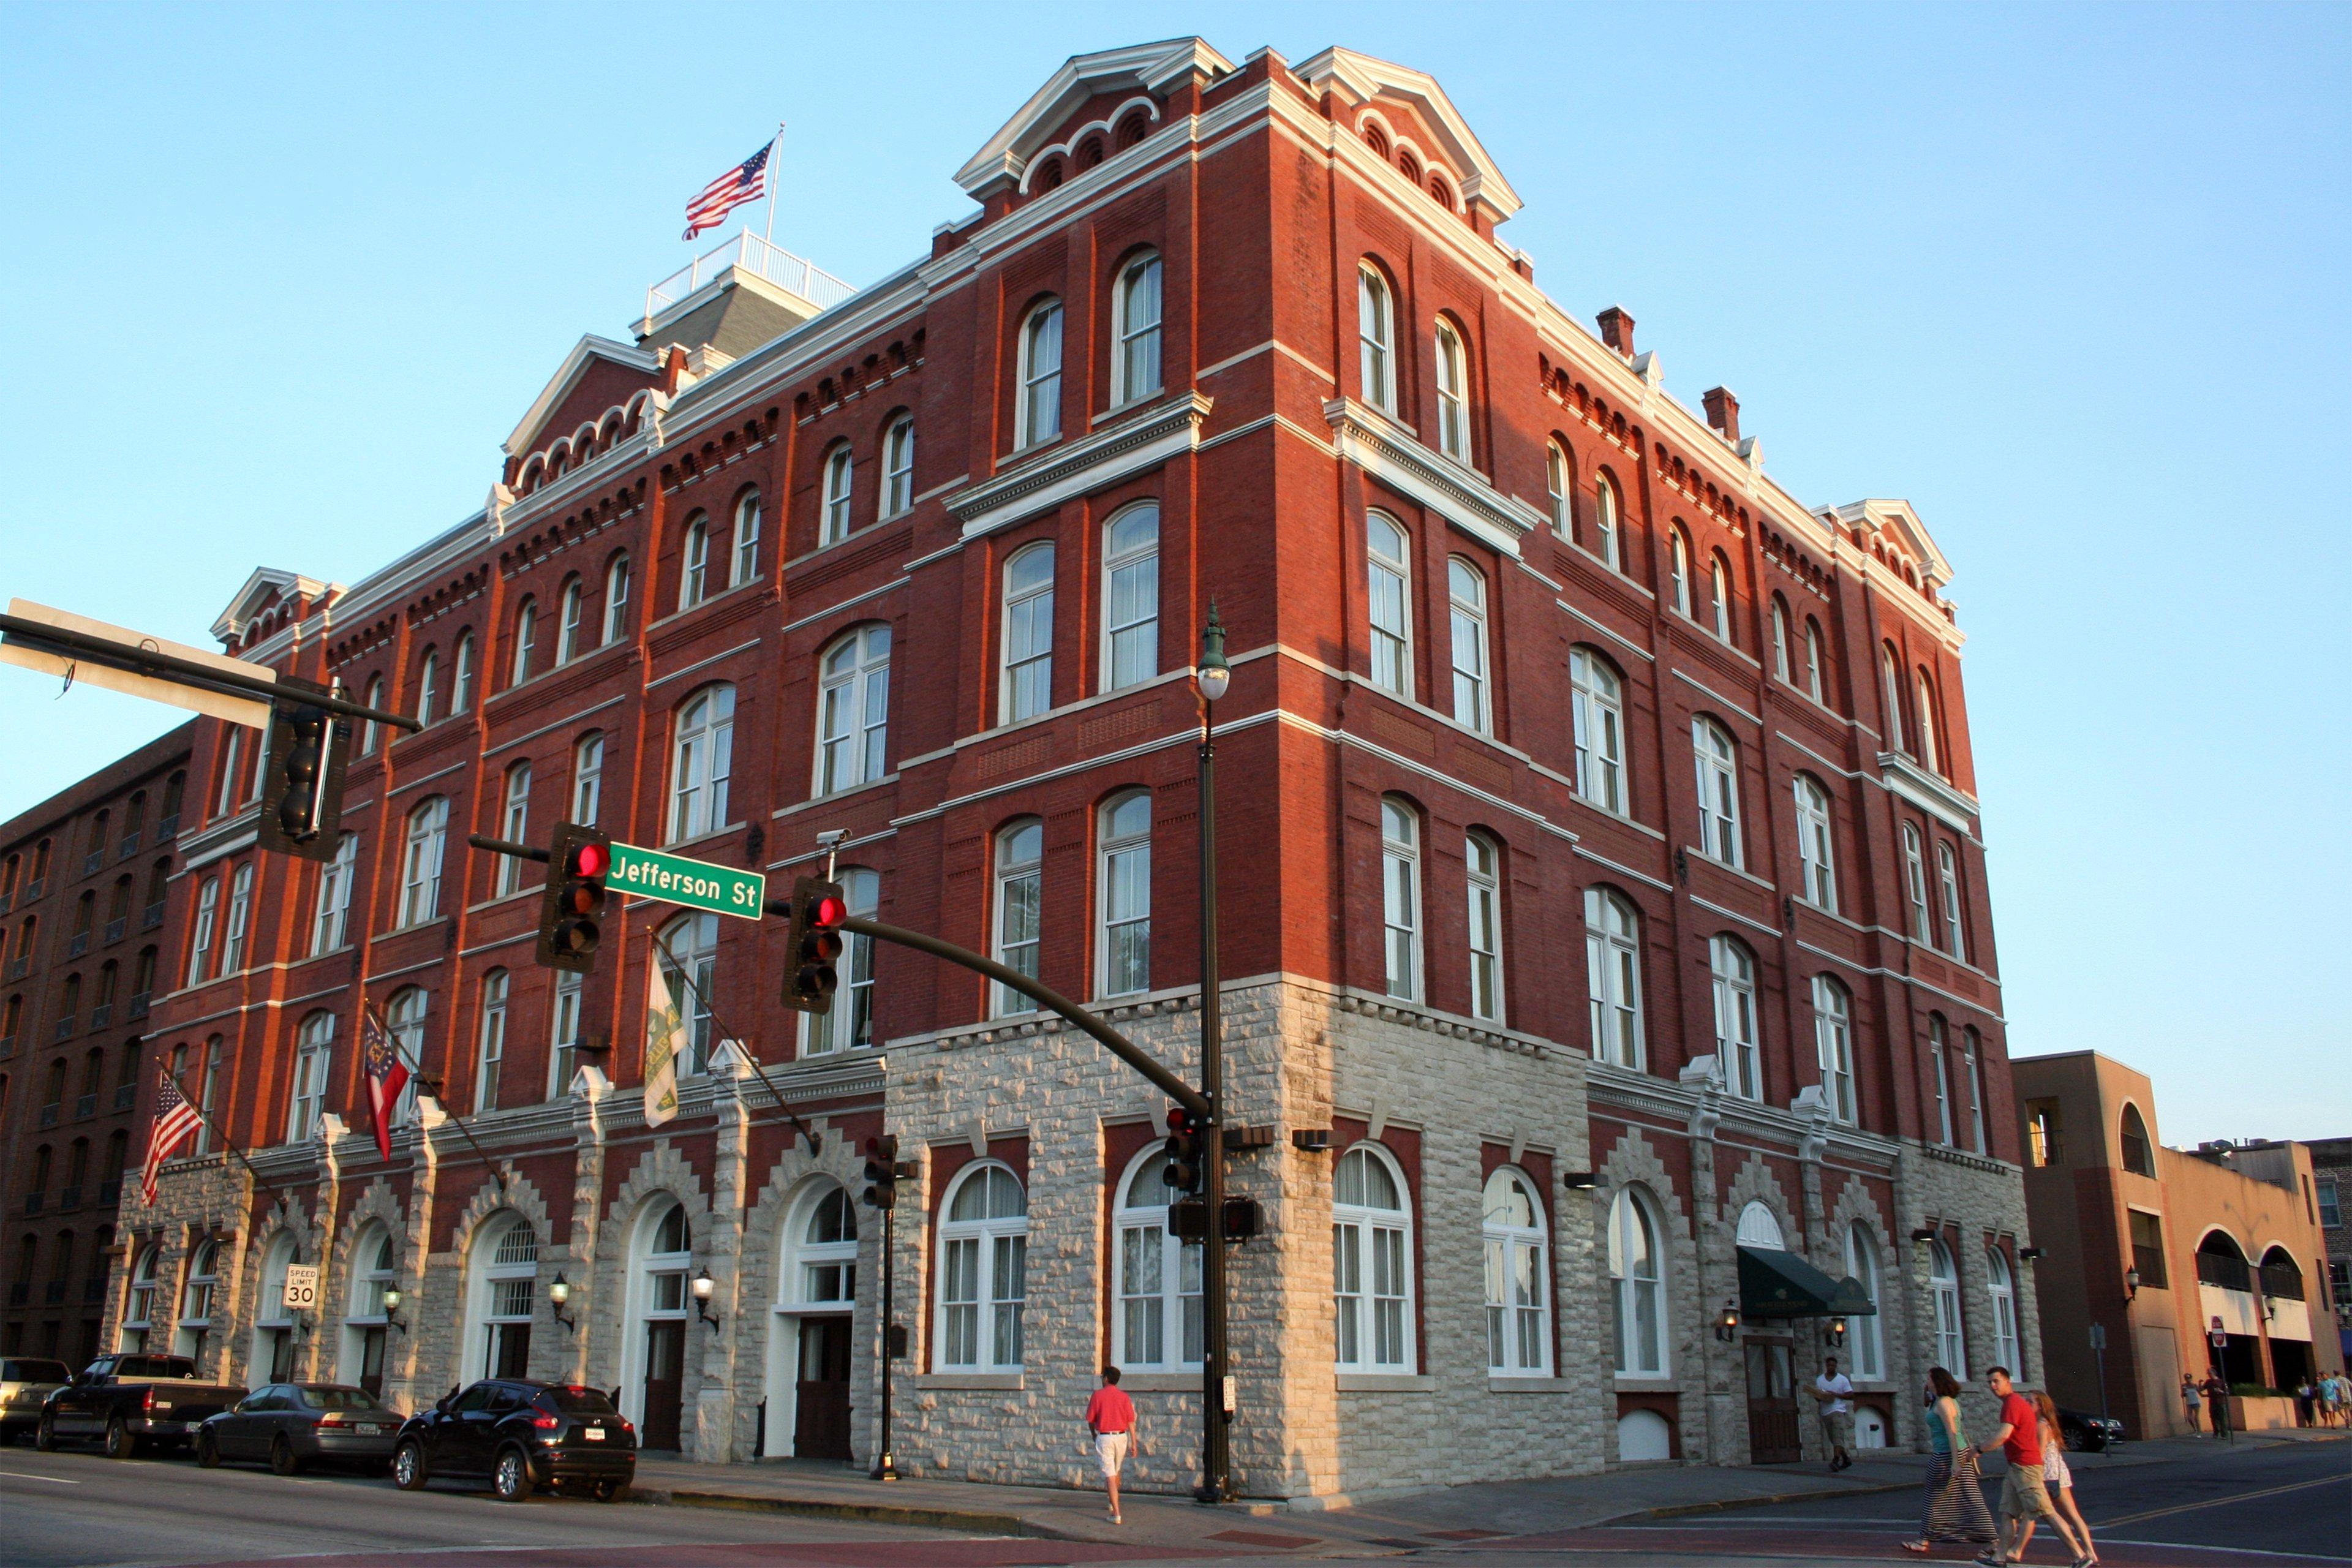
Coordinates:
x,y
1772,1435
372,1362
665,1382
821,1418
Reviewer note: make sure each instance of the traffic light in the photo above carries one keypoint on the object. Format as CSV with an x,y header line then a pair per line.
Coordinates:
x,y
885,1171
1185,1148
818,910
571,909
302,779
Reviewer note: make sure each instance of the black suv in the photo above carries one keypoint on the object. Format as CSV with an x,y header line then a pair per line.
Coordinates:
x,y
522,1436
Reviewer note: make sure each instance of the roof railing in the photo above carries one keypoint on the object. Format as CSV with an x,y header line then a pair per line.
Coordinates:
x,y
792,273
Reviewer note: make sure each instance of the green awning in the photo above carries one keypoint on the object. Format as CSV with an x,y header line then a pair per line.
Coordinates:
x,y
1775,1285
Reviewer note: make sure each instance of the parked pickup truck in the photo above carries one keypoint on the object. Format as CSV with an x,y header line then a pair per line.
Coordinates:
x,y
127,1402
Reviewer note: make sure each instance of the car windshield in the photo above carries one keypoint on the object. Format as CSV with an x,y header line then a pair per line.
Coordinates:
x,y
27,1370
576,1401
338,1399
155,1366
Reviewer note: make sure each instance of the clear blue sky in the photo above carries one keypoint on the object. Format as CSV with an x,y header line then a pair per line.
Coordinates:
x,y
2072,279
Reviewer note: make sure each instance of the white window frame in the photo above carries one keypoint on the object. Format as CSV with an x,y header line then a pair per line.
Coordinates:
x,y
693,941
1718,588
1518,1276
1389,605
983,1270
368,729
428,678
1597,710
1637,1279
1482,860
567,622
313,1062
1452,393
1972,1058
1678,566
1025,686
1833,1047
898,468
694,562
1156,1276
420,877
461,674
1891,678
850,1024
1949,1333
1612,970
1608,517
2000,1286
1037,410
1123,895
616,598
490,1039
514,826
853,708
1816,852
330,919
1947,878
564,1017
526,639
702,765
1737,1047
1938,1041
1400,896
1136,344
1130,599
1376,338
587,777
1017,909
1373,1285
1781,667
1915,883
1466,601
1867,1334
1559,489
404,1014
1717,757
745,558
836,518
806,1258
1925,714
240,919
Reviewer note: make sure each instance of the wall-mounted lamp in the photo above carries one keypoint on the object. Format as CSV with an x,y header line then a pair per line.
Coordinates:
x,y
2131,1284
1311,1139
559,1295
703,1286
1580,1181
2031,1254
392,1308
1836,1335
1925,1233
1726,1322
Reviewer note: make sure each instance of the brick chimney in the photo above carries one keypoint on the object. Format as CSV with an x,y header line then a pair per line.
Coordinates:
x,y
1617,330
1723,412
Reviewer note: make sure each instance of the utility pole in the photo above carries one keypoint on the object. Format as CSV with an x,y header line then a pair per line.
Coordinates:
x,y
1216,1377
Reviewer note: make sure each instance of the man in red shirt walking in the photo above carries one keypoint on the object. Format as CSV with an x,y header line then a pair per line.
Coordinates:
x,y
1110,1417
2022,1495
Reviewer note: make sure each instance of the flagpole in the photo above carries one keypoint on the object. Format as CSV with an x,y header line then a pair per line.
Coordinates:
x,y
416,1070
206,1122
774,142
749,1058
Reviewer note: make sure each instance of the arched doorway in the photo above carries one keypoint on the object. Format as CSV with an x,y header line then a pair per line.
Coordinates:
x,y
809,1335
660,1255
272,1360
366,1322
501,1291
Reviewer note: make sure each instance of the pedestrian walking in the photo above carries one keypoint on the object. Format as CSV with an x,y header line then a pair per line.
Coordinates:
x,y
1956,1508
1833,1392
2217,1405
2304,1396
1110,1417
2189,1401
2057,1480
2339,1395
2022,1496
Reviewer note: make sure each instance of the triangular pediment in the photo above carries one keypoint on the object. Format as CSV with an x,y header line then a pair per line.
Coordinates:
x,y
585,353
263,591
1149,69
1366,83
1898,525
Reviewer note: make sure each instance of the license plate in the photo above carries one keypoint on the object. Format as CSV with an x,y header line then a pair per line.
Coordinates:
x,y
369,1431
593,1433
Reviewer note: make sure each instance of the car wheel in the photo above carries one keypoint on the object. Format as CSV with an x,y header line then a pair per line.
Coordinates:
x,y
408,1472
119,1443
510,1478
209,1450
282,1458
611,1491
45,1436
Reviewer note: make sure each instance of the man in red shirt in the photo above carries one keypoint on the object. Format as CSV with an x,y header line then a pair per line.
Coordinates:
x,y
2022,1495
1110,1417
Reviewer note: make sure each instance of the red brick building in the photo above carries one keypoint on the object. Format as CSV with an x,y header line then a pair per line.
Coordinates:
x,y
1529,660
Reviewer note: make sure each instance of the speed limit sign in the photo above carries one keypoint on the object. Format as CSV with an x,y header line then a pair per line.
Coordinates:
x,y
301,1286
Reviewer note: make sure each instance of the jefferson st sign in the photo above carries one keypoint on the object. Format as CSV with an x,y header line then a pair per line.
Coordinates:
x,y
697,884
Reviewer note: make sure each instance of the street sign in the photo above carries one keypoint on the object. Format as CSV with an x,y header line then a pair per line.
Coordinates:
x,y
697,884
2098,1336
249,711
302,1286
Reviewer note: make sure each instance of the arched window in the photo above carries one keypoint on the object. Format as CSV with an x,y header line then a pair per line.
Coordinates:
x,y
272,1353
420,875
1390,597
514,826
1678,568
1865,1334
526,639
1371,1262
1972,1058
1719,792
1833,1042
850,1024
428,683
1041,375
1733,968
840,484
702,761
2139,1152
1157,1322
984,1270
1939,1054
1131,597
1518,1316
1401,896
1465,597
1891,679
1020,891
1376,338
364,1318
196,1297
240,919
1453,394
1947,880
616,598
461,675
820,1266
138,1302
1760,1228
1718,591
853,708
406,1015
567,622
1597,704
2000,1285
501,1291
1815,666
1637,1279
694,562
747,539
1924,711
490,1041
587,777
661,1256
686,951
200,943
1817,866
1607,535
1026,687
1560,486
898,466
1781,668
1612,973
1914,884
1135,321
313,1059
1123,895
1484,862
368,727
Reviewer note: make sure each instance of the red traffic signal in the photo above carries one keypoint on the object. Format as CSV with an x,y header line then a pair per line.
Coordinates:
x,y
815,939
571,910
1185,1148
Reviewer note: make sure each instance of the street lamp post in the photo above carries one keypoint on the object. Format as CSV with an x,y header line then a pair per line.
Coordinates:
x,y
1216,1451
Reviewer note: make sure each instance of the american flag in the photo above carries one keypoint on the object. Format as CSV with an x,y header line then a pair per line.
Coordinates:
x,y
176,1121
746,182
386,1076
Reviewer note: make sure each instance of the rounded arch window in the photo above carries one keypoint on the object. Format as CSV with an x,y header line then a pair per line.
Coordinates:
x,y
840,482
365,1318
1157,1322
1452,393
1944,1299
1135,307
702,763
820,1249
2138,1150
1606,517
853,708
1371,1259
1760,1228
1040,409
502,1289
1026,683
1518,1330
1717,758
1376,338
1123,849
138,1302
197,1294
1613,963
1019,907
983,1270
1637,1279
1131,597
2000,1289
1597,712
1865,1334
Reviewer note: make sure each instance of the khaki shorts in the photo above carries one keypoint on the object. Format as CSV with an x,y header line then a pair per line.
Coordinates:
x,y
1110,1452
2022,1495
1839,1425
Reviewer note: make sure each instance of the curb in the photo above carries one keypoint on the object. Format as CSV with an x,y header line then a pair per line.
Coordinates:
x,y
1006,1524
1722,1505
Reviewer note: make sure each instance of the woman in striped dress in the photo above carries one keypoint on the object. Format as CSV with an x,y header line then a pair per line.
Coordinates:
x,y
1956,1507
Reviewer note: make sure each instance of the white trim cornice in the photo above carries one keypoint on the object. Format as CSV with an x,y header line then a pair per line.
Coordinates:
x,y
1955,808
1461,495
1064,471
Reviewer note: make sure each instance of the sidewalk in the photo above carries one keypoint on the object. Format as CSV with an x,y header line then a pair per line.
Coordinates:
x,y
1322,1526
